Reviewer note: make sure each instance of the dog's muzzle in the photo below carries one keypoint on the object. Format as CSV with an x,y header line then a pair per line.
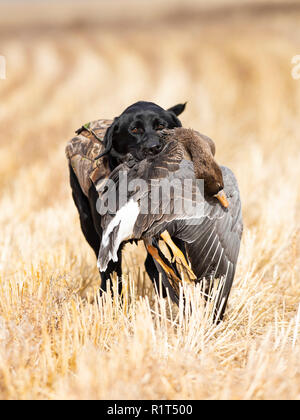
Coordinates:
x,y
152,147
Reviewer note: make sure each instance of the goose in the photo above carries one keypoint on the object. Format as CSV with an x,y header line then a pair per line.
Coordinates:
x,y
211,234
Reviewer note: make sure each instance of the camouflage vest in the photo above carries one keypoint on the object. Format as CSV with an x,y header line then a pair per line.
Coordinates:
x,y
82,150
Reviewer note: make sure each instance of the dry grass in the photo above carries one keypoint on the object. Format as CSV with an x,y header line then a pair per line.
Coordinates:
x,y
55,340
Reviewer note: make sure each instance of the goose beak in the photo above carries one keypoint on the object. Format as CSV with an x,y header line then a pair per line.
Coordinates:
x,y
221,196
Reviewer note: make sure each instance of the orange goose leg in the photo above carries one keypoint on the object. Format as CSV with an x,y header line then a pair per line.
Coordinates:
x,y
178,255
154,253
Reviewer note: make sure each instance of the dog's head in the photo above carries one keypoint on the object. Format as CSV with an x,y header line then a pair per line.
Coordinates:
x,y
136,130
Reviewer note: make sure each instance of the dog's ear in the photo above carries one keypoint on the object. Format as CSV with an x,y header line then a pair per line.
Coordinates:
x,y
178,109
108,137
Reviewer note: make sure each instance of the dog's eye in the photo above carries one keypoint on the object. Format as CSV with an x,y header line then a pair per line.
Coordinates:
x,y
137,130
160,127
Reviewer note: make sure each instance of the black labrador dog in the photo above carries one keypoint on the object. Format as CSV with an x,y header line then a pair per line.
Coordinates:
x,y
135,131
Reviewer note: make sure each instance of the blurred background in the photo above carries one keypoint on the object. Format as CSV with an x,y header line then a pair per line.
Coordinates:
x,y
70,62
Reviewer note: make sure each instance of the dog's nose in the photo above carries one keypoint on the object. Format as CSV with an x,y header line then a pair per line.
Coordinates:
x,y
152,148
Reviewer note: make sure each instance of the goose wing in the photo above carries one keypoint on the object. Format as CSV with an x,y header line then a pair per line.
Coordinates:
x,y
142,213
212,238
213,245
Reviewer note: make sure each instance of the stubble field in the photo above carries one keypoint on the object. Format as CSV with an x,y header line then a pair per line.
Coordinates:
x,y
58,340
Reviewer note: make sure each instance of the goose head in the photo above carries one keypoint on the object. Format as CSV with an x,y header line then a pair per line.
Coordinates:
x,y
200,150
